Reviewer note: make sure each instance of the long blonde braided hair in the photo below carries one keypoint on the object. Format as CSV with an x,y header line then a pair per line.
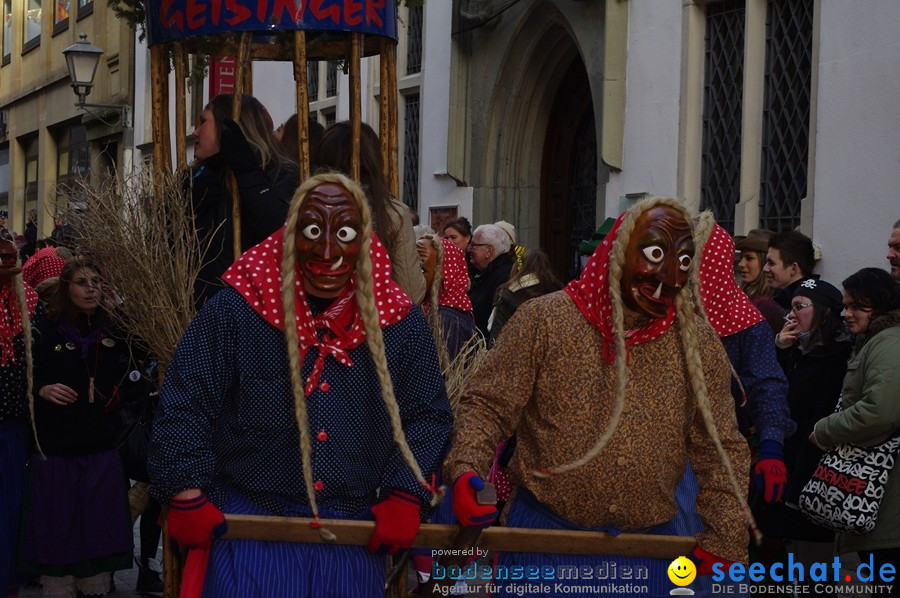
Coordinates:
x,y
688,305
22,303
374,339
433,317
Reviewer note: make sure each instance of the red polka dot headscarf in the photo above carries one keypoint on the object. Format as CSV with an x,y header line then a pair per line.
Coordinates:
x,y
455,278
43,265
727,307
590,293
256,275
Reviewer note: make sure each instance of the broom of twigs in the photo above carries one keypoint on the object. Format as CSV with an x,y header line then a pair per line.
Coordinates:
x,y
141,231
463,368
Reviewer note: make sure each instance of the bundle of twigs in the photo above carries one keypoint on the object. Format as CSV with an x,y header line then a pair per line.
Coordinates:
x,y
141,230
463,368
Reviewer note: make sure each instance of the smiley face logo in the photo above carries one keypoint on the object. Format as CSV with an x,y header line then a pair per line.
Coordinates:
x,y
682,571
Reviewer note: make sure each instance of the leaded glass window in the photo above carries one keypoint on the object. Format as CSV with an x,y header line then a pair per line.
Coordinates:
x,y
786,112
411,151
722,110
414,41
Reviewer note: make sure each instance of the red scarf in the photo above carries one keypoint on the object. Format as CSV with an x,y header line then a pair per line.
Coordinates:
x,y
591,295
455,277
727,307
256,275
11,319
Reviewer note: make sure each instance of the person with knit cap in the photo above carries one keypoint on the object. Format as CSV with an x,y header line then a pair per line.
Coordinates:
x,y
309,387
611,385
19,305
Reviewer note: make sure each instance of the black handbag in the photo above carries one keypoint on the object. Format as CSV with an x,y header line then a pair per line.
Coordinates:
x,y
133,443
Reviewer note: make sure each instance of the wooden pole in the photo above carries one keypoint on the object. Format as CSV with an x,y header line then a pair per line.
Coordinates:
x,y
388,111
356,42
159,94
240,80
300,74
437,537
180,108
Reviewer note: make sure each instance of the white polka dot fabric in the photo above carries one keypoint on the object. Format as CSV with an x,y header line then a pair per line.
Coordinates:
x,y
44,264
591,294
455,284
728,308
256,275
11,318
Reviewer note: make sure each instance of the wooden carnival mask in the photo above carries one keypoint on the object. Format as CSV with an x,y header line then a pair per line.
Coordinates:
x,y
329,239
428,258
657,261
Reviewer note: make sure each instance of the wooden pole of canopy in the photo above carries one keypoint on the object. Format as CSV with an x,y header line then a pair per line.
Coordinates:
x,y
180,108
356,42
388,112
239,81
435,536
300,74
159,91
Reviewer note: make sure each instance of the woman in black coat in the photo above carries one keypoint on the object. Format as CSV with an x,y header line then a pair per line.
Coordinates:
x,y
266,178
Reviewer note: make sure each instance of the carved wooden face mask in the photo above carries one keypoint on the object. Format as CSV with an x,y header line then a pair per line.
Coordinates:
x,y
329,240
657,261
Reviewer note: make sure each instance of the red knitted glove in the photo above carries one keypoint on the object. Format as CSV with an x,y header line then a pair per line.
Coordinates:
x,y
396,522
770,472
465,503
194,522
705,561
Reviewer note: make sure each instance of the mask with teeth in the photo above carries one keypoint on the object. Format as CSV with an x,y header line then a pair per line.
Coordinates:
x,y
657,261
329,240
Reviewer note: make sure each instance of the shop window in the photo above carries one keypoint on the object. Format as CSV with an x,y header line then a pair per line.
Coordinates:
x,y
85,8
7,31
33,20
61,16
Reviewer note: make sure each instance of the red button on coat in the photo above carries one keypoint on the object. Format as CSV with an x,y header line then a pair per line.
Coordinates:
x,y
324,386
322,436
319,485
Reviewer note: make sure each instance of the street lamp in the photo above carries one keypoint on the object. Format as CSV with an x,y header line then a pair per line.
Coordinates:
x,y
82,58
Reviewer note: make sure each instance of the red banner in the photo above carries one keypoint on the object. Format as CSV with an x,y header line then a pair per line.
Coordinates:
x,y
222,71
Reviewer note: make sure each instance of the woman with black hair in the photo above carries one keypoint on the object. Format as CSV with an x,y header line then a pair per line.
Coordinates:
x,y
76,521
266,177
870,405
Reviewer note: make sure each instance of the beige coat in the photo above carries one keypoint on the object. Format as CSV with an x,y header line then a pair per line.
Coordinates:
x,y
406,270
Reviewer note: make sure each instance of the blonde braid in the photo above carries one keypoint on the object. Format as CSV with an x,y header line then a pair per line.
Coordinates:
x,y
19,288
616,260
288,283
690,346
365,299
705,223
433,316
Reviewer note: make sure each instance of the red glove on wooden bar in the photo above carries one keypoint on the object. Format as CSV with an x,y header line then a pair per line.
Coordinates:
x,y
465,502
194,522
397,522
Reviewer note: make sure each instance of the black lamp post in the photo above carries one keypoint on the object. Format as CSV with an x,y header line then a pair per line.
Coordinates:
x,y
82,58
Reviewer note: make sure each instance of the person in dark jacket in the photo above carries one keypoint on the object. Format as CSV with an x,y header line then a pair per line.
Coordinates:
x,y
790,258
814,347
31,235
266,178
76,525
489,255
534,279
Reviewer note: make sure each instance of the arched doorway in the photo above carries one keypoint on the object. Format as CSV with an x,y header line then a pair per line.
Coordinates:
x,y
569,173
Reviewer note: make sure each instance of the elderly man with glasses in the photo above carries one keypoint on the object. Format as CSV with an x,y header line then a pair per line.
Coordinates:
x,y
489,255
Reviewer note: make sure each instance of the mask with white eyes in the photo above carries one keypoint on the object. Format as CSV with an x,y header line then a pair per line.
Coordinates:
x,y
658,261
329,239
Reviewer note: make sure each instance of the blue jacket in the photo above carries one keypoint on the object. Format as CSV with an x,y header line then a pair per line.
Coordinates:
x,y
226,416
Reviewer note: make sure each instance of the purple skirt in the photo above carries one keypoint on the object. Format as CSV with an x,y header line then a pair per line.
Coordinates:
x,y
76,520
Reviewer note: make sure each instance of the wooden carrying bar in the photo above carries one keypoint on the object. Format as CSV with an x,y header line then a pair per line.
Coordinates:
x,y
437,537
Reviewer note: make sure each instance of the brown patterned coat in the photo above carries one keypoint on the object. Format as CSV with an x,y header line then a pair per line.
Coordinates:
x,y
546,380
